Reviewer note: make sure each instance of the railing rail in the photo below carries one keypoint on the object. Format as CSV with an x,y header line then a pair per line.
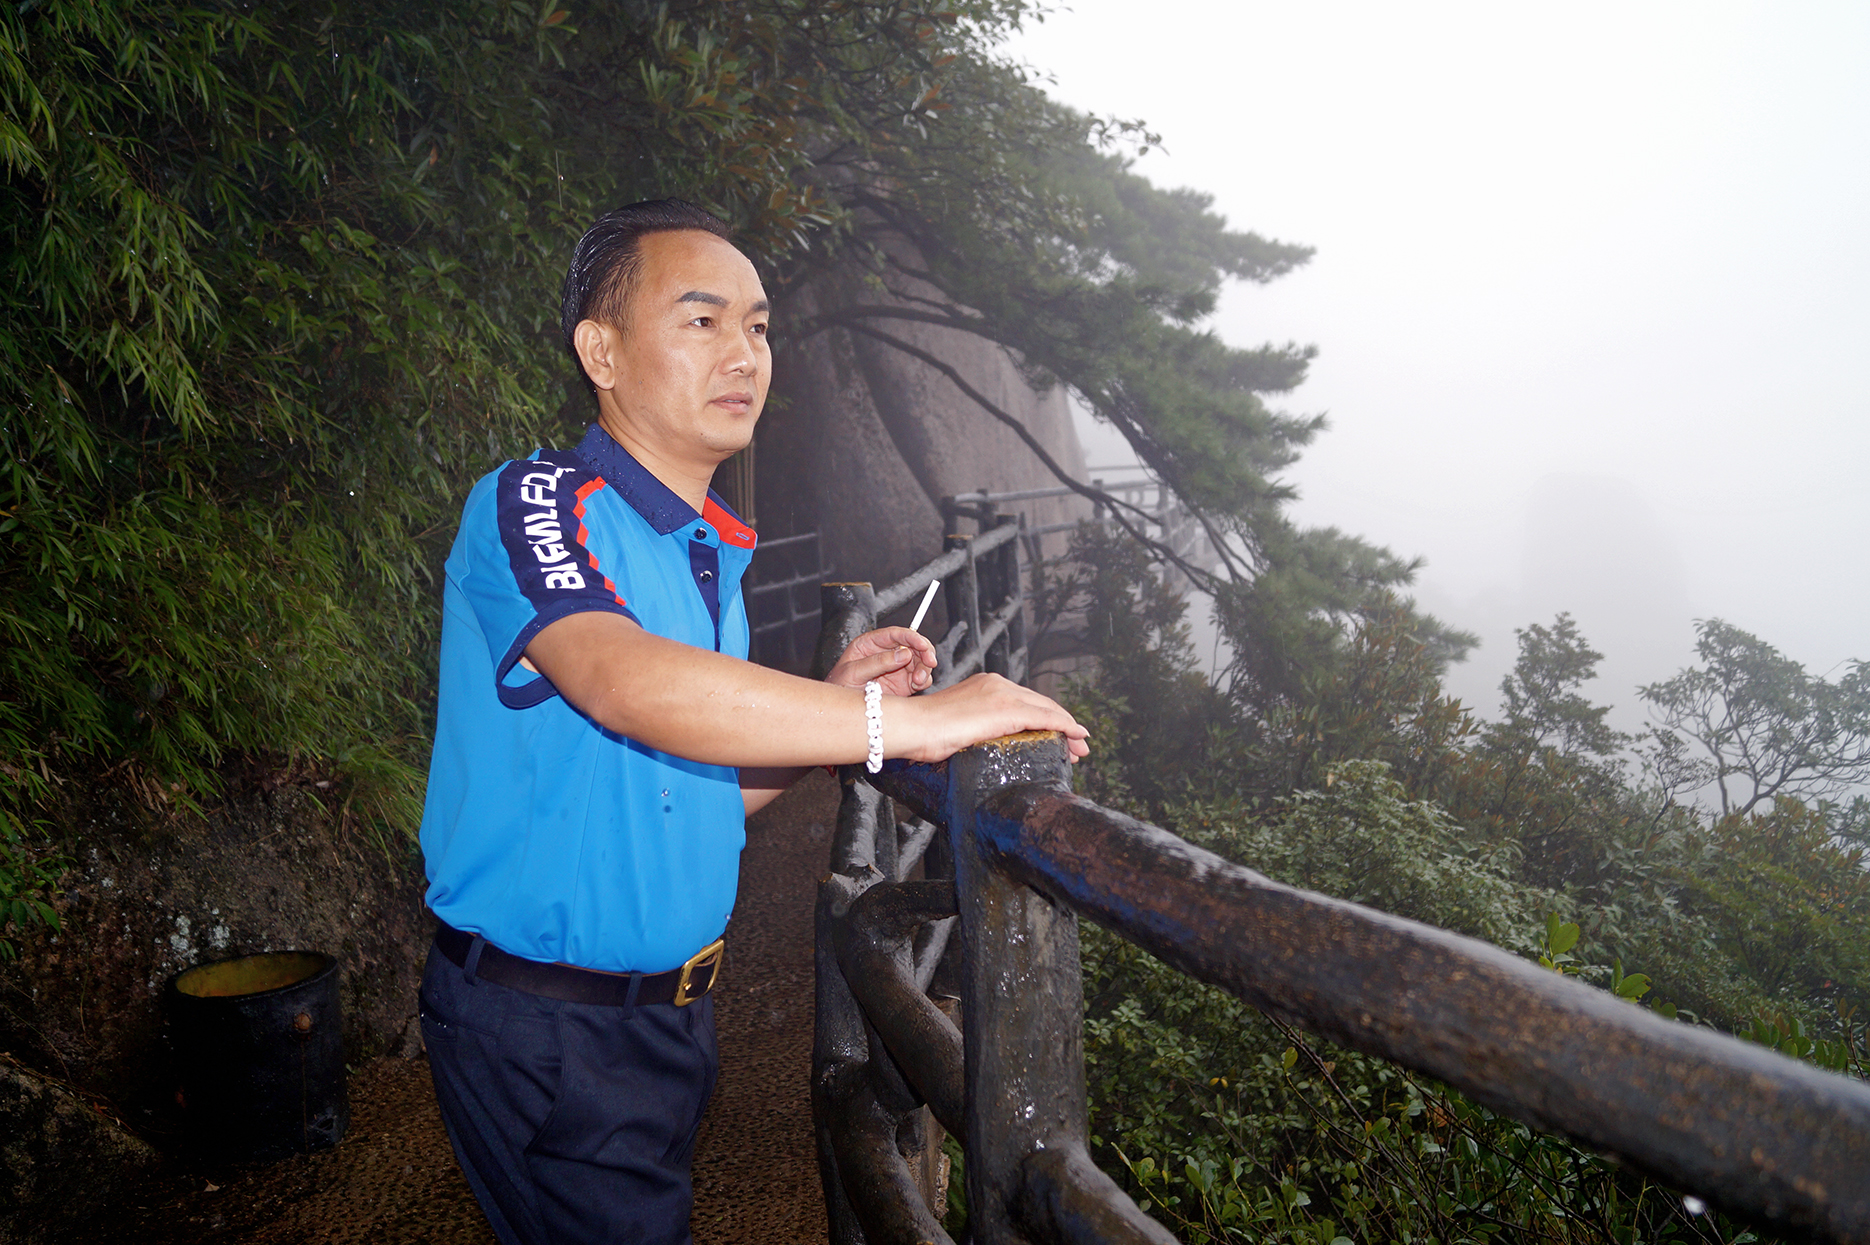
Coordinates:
x,y
919,1030
910,587
1176,525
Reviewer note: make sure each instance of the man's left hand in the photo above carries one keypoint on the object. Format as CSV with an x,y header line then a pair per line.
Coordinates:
x,y
903,661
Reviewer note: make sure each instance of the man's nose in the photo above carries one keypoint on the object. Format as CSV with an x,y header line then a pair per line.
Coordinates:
x,y
745,360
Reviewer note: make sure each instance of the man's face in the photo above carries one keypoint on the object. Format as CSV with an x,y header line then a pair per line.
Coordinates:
x,y
689,369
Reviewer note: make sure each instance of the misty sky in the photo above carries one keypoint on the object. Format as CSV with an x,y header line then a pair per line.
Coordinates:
x,y
1592,293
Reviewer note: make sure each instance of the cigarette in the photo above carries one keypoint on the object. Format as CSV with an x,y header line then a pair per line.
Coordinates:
x,y
922,610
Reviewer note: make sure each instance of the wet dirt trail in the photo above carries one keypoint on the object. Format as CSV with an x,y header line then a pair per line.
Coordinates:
x,y
393,1179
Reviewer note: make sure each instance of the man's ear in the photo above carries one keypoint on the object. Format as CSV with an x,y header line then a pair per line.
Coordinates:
x,y
597,347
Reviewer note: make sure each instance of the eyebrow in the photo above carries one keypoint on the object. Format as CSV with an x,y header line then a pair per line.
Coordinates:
x,y
715,300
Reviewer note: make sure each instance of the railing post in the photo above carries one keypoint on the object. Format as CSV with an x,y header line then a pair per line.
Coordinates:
x,y
961,594
1030,1177
840,1051
1022,998
1011,590
840,1045
846,611
950,516
992,585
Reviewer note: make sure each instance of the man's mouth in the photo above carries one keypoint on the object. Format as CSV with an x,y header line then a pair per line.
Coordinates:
x,y
735,401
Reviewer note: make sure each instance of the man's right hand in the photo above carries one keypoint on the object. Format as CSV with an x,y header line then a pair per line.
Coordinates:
x,y
984,706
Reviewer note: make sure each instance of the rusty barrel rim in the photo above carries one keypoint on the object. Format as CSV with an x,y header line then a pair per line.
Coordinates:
x,y
267,973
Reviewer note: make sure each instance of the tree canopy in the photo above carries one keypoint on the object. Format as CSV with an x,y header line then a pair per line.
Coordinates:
x,y
277,284
1751,723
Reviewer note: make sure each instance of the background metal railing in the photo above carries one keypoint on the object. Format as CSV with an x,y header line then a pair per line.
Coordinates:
x,y
782,600
1157,512
949,995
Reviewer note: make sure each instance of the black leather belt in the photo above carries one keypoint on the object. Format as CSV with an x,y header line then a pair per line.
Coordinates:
x,y
569,984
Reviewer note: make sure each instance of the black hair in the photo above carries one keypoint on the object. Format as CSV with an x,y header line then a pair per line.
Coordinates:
x,y
606,260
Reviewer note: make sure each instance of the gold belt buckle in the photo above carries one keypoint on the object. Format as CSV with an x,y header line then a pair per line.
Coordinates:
x,y
709,957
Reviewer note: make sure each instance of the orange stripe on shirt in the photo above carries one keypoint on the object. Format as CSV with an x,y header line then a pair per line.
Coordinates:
x,y
584,535
732,530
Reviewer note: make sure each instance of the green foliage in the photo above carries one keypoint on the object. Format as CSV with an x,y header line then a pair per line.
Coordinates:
x,y
1844,1053
274,290
25,877
1361,838
1785,905
1549,775
1006,216
379,794
1544,704
954,1214
1235,1129
1850,823
1631,987
1161,728
253,358
1560,938
1294,624
1372,694
1169,736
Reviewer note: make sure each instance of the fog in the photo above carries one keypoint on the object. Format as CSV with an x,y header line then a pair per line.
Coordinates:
x,y
1592,294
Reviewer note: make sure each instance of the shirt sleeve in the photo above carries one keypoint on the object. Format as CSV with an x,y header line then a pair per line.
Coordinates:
x,y
529,564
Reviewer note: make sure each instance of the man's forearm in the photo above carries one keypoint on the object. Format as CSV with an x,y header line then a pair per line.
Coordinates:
x,y
707,707
693,703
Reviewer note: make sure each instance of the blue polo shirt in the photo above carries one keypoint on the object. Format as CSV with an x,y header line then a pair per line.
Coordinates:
x,y
557,839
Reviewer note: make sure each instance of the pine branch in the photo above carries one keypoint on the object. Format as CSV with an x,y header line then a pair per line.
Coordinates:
x,y
1201,576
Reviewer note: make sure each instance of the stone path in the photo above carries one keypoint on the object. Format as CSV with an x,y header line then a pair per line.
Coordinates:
x,y
393,1179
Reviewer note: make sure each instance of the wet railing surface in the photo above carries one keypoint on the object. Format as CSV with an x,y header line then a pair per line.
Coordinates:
x,y
954,1001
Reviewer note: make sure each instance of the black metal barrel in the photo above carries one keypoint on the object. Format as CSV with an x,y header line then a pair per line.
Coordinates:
x,y
261,1053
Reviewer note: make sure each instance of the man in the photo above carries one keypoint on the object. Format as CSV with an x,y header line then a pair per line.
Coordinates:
x,y
601,740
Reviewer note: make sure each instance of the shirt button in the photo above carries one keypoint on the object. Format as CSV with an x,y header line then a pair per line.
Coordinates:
x,y
701,533
705,576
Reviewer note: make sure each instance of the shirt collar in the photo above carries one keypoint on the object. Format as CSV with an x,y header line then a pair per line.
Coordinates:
x,y
650,497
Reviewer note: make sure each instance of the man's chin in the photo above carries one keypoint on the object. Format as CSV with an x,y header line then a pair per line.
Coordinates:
x,y
728,442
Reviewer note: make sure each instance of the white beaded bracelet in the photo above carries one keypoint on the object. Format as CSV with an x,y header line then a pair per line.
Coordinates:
x,y
873,724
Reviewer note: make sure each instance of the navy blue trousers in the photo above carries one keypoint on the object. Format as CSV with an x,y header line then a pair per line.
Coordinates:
x,y
572,1122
